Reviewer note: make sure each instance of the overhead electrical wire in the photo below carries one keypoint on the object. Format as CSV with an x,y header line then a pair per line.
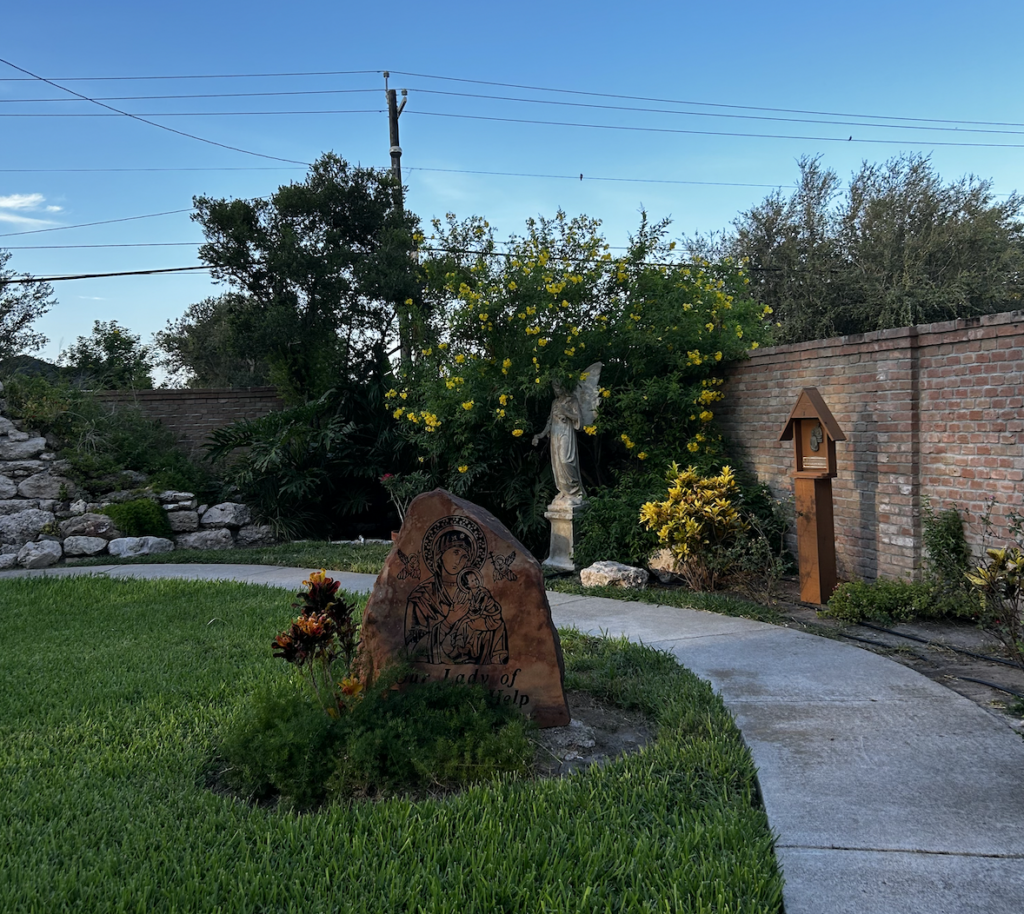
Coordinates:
x,y
504,85
34,279
136,117
679,130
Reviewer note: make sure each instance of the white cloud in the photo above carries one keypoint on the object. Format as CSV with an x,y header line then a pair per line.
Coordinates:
x,y
26,221
91,298
14,209
22,201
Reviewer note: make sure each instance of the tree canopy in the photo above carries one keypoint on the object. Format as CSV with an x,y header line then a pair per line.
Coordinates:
x,y
321,273
111,357
21,304
896,247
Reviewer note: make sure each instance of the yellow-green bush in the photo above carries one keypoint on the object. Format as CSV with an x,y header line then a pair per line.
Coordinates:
x,y
698,522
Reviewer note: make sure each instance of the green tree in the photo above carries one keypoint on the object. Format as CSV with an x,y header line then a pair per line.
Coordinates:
x,y
214,344
508,327
21,304
111,357
322,271
897,247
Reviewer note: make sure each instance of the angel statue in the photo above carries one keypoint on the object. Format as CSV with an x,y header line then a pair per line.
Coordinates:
x,y
570,412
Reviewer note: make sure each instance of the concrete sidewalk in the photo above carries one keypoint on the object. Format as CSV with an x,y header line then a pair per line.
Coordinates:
x,y
887,793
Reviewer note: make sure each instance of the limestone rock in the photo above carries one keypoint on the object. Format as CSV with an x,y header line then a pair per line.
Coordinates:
x,y
183,521
127,546
256,535
6,426
15,435
19,469
24,526
21,450
226,514
17,505
90,525
8,560
664,566
8,487
184,500
462,599
45,485
40,555
206,539
613,574
84,545
78,507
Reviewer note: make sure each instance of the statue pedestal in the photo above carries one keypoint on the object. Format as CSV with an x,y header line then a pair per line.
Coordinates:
x,y
561,513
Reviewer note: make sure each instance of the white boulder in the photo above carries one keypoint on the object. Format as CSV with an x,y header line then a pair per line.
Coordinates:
x,y
613,574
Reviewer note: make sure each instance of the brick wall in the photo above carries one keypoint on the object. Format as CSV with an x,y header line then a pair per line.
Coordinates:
x,y
193,414
931,411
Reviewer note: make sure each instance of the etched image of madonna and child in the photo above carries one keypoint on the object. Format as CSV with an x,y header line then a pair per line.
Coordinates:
x,y
452,617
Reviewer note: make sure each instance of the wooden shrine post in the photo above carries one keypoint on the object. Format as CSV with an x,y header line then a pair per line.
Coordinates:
x,y
814,432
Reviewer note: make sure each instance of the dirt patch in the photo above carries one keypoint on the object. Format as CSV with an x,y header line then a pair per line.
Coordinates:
x,y
597,733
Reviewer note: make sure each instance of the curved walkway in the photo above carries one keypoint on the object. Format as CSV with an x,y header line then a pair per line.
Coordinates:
x,y
886,792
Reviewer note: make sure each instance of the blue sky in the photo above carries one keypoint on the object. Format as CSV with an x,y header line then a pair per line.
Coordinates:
x,y
865,65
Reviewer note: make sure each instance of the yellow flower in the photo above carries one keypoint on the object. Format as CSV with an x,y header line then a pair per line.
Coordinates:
x,y
442,346
482,317
512,286
642,455
507,363
463,468
706,416
517,433
754,344
501,413
590,429
316,578
718,355
427,351
408,301
504,398
467,405
459,359
693,447
404,395
542,342
398,413
391,394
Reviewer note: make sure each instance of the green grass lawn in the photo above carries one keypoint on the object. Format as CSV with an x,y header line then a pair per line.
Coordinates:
x,y
112,694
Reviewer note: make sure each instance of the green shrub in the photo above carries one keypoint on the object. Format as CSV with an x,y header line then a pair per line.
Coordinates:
x,y
897,601
609,529
949,556
433,735
139,517
999,585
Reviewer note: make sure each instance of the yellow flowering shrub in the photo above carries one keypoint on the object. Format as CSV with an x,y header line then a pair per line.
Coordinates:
x,y
505,324
696,522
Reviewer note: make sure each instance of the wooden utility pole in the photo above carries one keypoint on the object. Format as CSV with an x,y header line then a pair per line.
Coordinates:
x,y
394,110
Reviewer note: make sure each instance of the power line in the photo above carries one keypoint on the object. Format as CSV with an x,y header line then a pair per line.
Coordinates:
x,y
677,130
145,114
61,228
583,177
78,79
754,117
139,98
31,279
136,117
175,168
71,247
672,101
504,85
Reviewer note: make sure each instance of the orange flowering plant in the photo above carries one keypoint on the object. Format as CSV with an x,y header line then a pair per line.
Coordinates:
x,y
321,642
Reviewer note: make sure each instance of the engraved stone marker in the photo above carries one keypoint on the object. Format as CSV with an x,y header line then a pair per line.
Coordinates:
x,y
462,599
